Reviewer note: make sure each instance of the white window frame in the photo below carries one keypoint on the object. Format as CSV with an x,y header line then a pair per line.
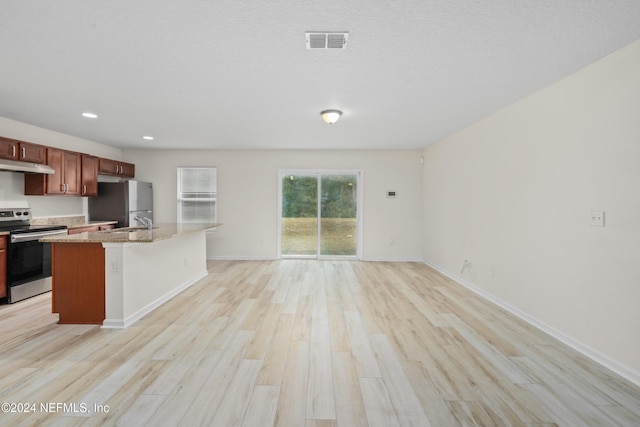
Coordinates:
x,y
181,198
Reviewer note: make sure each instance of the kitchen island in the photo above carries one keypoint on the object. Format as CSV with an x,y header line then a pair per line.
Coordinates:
x,y
115,277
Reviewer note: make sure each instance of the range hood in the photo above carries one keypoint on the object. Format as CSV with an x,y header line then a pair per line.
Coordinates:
x,y
14,166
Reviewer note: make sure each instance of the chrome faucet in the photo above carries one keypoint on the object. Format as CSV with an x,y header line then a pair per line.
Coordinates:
x,y
147,222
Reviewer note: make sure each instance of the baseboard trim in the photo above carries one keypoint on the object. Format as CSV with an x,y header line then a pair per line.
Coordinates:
x,y
601,359
128,321
368,259
390,259
240,258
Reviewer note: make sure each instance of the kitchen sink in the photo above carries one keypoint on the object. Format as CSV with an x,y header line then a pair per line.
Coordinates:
x,y
127,229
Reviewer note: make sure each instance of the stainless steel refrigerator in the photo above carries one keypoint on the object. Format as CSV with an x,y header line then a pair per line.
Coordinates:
x,y
122,201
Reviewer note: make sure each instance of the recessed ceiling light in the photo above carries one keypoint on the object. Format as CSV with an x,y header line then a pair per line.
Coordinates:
x,y
150,138
90,115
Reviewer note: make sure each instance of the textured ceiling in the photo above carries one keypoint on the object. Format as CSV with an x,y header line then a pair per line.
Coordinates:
x,y
234,74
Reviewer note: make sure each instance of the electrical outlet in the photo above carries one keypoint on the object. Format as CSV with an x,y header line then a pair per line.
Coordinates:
x,y
597,218
113,267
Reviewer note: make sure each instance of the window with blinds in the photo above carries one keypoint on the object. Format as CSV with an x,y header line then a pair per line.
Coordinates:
x,y
197,194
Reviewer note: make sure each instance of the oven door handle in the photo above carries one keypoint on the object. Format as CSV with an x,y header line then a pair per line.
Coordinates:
x,y
29,237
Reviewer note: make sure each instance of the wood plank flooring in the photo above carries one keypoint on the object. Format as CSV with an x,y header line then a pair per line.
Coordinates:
x,y
305,344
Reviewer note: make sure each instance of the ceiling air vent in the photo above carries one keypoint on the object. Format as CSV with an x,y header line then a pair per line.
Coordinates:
x,y
326,40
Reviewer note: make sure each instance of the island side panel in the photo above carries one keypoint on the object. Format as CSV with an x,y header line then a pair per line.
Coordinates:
x,y
162,269
78,282
142,276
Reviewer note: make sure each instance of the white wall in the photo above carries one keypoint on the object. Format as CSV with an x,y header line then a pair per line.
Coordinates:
x,y
514,193
248,196
12,183
147,275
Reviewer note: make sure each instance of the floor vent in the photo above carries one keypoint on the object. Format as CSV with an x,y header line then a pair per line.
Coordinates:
x,y
326,40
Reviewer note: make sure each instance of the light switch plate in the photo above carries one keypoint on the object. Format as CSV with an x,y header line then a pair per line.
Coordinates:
x,y
597,218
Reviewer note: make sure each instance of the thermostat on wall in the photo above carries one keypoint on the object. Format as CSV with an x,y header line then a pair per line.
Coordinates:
x,y
392,194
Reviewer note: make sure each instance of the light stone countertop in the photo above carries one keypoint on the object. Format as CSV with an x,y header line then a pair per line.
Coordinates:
x,y
90,224
132,235
71,224
75,221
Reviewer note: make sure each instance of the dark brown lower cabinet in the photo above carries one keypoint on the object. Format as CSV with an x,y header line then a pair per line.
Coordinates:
x,y
78,282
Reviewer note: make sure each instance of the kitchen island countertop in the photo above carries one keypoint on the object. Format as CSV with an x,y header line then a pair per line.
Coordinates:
x,y
133,234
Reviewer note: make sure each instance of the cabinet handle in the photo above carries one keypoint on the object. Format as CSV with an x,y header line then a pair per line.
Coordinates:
x,y
84,189
120,169
24,152
13,151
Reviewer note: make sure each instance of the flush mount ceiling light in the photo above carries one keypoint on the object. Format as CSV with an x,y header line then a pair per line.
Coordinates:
x,y
148,138
331,116
90,115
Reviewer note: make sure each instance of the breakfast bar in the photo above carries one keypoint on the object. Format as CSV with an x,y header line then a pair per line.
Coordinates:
x,y
115,277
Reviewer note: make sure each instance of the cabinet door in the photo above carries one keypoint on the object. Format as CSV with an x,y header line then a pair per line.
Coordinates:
x,y
55,182
113,167
127,170
89,175
32,153
108,167
72,171
8,148
3,266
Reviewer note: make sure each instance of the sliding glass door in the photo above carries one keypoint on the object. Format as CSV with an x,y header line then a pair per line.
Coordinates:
x,y
338,214
319,214
299,220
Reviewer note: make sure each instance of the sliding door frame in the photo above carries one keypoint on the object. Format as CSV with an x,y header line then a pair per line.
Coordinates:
x,y
319,173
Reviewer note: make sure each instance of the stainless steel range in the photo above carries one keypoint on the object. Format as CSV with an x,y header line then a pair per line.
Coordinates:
x,y
28,260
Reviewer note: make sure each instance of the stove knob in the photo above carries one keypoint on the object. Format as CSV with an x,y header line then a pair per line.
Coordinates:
x,y
26,213
18,213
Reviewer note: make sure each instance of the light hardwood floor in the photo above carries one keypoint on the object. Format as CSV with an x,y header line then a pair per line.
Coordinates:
x,y
305,343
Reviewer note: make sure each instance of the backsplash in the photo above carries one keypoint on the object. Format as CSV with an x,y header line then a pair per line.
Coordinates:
x,y
12,192
60,220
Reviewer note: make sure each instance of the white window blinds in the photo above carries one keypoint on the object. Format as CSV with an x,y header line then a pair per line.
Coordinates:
x,y
197,194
